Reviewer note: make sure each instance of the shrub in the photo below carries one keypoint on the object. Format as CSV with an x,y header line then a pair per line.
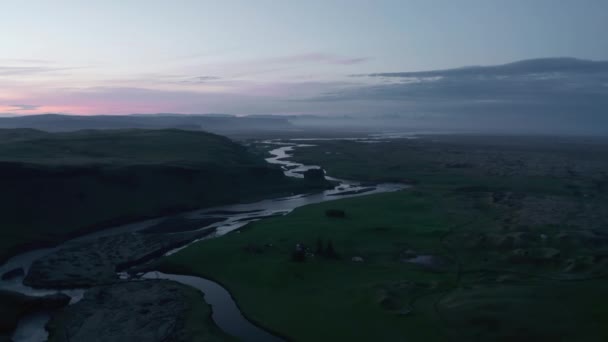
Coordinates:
x,y
299,253
319,249
329,251
335,213
314,174
298,256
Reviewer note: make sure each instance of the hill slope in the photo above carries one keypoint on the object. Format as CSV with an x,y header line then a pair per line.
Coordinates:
x,y
58,185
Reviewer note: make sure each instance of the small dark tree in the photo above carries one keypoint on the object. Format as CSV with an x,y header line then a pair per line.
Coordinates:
x,y
299,253
314,175
335,213
319,249
298,256
329,250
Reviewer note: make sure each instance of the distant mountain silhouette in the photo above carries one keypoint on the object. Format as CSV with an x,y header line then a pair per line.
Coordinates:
x,y
212,123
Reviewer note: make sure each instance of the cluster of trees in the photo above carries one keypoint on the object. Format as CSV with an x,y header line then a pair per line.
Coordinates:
x,y
335,213
314,175
327,251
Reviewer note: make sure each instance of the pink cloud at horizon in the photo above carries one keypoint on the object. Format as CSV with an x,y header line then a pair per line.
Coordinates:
x,y
238,97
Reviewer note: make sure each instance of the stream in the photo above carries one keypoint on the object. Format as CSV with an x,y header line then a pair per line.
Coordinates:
x,y
225,310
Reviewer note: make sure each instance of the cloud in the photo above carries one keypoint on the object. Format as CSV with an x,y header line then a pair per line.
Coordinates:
x,y
525,67
319,58
251,98
541,81
23,70
28,70
199,80
24,61
24,107
14,67
543,93
549,94
206,78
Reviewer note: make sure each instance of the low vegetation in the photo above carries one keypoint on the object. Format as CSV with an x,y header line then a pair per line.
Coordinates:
x,y
492,246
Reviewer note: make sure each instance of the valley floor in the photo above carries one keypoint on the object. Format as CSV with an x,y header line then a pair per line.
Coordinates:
x,y
499,240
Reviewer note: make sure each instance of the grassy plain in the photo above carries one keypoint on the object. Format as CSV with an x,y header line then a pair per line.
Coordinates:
x,y
501,240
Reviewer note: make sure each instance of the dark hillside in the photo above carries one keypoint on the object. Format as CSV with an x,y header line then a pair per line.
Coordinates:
x,y
210,123
59,185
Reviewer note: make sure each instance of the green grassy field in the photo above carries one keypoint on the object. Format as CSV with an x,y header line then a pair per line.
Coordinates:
x,y
529,164
326,299
58,185
473,293
508,258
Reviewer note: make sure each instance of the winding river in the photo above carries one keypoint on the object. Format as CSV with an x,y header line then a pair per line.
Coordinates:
x,y
225,311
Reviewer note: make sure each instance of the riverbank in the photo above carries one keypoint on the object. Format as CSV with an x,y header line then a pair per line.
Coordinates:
x,y
16,305
151,310
86,264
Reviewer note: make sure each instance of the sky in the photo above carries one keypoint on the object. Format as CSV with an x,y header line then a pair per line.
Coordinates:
x,y
350,57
